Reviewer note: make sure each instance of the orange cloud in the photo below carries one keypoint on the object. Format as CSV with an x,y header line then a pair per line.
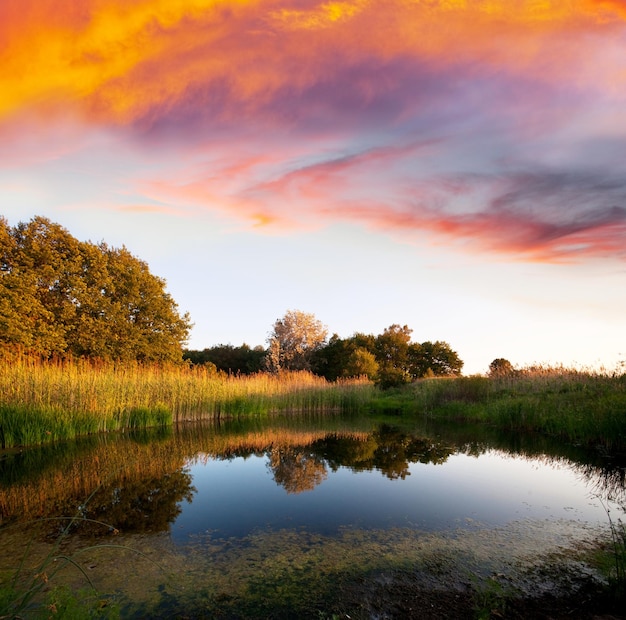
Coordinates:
x,y
122,61
57,53
413,116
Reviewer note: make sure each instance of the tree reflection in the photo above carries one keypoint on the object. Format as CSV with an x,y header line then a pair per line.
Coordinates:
x,y
387,449
141,481
297,470
141,505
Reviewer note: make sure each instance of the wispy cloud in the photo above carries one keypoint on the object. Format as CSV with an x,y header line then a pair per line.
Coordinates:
x,y
495,126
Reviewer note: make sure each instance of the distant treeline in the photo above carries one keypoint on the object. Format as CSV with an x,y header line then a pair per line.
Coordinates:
x,y
299,343
63,297
229,359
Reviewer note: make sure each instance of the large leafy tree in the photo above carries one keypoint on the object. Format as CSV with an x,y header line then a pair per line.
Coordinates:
x,y
294,340
392,354
148,324
62,296
435,359
351,357
40,270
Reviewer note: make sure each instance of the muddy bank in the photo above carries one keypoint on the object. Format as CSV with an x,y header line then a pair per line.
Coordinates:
x,y
566,596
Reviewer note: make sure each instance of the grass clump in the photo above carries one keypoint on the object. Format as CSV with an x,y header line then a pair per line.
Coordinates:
x,y
617,552
29,589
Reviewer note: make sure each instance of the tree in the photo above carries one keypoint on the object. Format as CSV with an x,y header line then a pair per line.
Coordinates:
x,y
294,340
350,357
330,360
62,296
362,363
392,355
41,269
146,320
501,367
435,359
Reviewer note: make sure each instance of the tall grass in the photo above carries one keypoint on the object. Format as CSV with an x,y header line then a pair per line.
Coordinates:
x,y
585,407
43,401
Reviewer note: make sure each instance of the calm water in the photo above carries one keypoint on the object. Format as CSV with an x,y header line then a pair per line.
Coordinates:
x,y
259,517
235,497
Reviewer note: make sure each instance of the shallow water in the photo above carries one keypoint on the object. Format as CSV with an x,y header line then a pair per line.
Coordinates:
x,y
280,516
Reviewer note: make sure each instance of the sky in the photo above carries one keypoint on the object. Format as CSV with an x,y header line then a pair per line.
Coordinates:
x,y
457,166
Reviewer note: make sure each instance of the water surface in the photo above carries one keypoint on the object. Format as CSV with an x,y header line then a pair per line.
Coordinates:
x,y
280,516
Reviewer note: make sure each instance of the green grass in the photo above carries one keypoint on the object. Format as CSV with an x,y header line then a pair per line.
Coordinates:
x,y
578,406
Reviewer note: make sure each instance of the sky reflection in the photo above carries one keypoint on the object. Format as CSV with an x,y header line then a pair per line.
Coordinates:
x,y
239,496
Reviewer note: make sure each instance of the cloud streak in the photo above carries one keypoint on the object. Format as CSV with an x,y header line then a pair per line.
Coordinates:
x,y
497,127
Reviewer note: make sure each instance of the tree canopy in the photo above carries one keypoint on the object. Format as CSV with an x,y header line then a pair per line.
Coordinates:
x,y
227,358
294,340
501,367
62,296
389,359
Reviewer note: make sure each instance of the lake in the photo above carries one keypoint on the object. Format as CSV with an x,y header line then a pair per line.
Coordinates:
x,y
299,516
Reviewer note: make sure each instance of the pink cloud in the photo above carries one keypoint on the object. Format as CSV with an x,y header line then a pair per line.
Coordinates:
x,y
468,122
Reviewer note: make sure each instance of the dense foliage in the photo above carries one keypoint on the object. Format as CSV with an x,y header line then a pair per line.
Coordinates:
x,y
294,340
298,342
233,360
390,358
61,296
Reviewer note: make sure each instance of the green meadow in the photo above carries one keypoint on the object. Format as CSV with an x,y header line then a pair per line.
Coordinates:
x,y
580,407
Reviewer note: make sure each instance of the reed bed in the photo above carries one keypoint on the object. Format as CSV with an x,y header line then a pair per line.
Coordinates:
x,y
579,406
43,401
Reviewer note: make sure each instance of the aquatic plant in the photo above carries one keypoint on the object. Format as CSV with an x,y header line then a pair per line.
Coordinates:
x,y
30,589
617,574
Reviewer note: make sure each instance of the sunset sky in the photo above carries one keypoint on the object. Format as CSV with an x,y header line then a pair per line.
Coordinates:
x,y
458,166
